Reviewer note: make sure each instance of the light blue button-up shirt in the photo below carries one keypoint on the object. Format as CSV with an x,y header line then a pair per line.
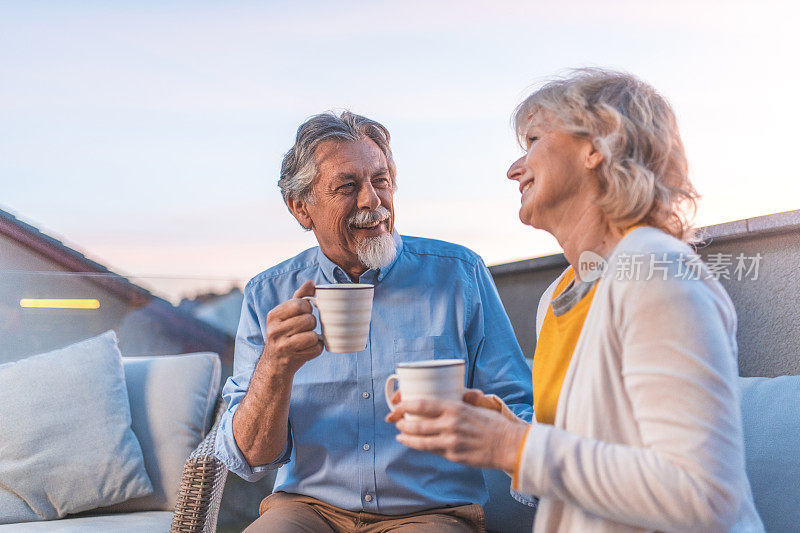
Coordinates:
x,y
435,301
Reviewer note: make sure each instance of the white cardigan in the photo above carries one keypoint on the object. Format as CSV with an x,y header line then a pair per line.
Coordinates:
x,y
647,432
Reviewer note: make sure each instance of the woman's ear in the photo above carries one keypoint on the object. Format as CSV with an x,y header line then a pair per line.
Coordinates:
x,y
299,209
593,157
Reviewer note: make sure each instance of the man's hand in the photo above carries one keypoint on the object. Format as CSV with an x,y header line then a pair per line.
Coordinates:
x,y
291,340
260,424
460,432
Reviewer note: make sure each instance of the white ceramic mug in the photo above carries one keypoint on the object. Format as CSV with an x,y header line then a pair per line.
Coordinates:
x,y
441,379
345,310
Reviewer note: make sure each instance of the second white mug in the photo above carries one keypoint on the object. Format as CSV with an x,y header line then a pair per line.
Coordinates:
x,y
441,379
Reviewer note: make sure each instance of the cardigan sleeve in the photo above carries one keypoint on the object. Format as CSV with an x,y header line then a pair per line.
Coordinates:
x,y
678,370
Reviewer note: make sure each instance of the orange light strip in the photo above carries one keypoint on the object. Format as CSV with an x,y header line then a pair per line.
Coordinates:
x,y
60,303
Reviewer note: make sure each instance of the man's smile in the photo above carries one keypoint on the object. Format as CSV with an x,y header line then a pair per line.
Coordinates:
x,y
364,224
369,229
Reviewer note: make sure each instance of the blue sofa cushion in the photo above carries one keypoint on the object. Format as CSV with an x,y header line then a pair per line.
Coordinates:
x,y
144,522
771,421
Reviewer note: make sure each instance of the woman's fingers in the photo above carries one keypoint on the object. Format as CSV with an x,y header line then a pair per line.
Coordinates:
x,y
477,398
397,413
423,426
434,418
468,448
428,408
459,432
422,442
394,416
473,396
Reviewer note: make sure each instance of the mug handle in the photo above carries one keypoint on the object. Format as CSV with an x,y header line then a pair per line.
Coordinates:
x,y
313,301
389,390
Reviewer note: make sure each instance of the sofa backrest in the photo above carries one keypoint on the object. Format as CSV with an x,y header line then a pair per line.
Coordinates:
x,y
771,422
172,402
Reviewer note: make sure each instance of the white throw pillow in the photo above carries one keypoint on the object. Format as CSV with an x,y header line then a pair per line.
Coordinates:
x,y
67,443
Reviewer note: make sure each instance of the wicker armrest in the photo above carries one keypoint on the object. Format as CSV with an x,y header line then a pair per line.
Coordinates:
x,y
201,486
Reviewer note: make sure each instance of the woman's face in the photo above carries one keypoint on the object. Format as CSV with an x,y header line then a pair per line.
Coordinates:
x,y
553,174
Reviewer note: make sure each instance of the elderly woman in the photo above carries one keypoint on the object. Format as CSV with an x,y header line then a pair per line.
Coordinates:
x,y
637,423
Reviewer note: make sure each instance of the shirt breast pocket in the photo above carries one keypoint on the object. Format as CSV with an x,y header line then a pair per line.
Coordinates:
x,y
426,348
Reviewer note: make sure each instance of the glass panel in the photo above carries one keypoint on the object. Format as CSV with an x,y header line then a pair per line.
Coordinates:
x,y
43,311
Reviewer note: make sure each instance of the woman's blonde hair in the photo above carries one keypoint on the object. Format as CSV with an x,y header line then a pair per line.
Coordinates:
x,y
644,175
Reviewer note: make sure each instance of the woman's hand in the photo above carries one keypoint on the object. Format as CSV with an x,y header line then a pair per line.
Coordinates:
x,y
462,433
477,398
474,397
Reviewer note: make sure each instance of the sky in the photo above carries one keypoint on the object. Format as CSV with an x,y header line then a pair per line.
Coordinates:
x,y
149,135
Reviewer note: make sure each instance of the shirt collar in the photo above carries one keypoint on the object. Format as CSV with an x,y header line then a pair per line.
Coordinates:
x,y
333,273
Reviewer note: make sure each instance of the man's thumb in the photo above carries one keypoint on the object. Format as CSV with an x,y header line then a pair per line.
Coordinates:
x,y
307,289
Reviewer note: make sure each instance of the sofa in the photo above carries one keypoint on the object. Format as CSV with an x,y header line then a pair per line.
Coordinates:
x,y
771,423
174,403
174,400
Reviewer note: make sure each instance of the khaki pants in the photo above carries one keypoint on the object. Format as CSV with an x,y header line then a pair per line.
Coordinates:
x,y
283,512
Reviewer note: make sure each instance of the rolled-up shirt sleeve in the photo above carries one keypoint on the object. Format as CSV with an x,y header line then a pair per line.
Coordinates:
x,y
249,345
499,366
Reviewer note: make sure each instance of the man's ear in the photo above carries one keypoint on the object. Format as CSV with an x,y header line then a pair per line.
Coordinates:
x,y
593,157
299,209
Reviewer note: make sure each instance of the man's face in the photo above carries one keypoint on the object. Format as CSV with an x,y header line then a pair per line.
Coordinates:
x,y
352,177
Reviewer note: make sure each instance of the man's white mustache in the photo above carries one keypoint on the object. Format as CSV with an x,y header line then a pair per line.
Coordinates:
x,y
366,218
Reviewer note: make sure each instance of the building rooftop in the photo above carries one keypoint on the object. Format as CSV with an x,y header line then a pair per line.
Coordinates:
x,y
73,261
727,231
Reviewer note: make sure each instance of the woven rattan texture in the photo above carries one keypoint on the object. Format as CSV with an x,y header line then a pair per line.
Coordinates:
x,y
201,486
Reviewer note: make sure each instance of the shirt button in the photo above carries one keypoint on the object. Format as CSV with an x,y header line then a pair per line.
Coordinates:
x,y
366,447
365,395
368,497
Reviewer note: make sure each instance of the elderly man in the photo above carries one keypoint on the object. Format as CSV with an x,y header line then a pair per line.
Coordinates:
x,y
321,416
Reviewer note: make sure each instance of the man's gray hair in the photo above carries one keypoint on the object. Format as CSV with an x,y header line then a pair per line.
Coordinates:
x,y
299,168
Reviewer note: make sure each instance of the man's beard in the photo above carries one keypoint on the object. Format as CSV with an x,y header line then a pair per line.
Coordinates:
x,y
374,252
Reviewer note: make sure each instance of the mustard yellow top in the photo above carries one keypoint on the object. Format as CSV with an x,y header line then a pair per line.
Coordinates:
x,y
554,349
